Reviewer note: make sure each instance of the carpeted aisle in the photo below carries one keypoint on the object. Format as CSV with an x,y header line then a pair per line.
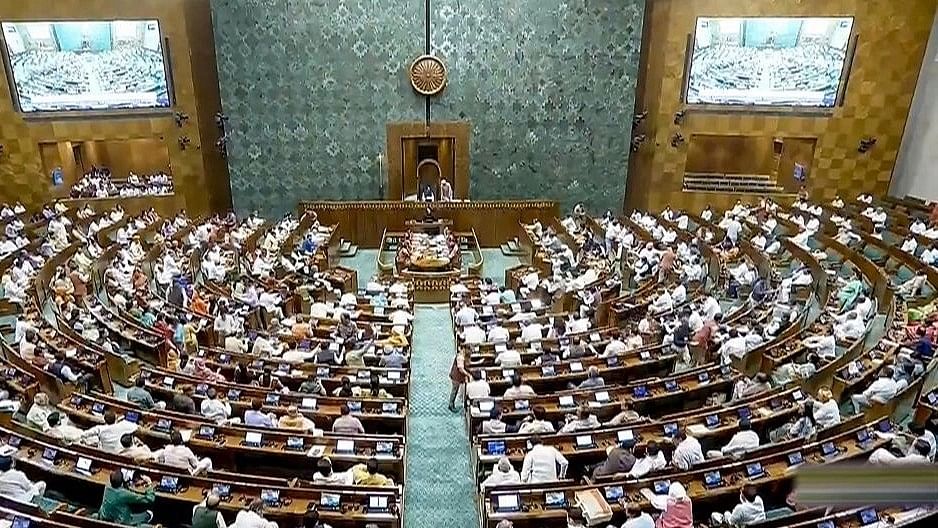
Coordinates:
x,y
439,488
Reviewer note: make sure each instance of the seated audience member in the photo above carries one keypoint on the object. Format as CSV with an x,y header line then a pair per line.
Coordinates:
x,y
253,517
120,502
542,463
141,397
313,386
39,411
502,473
346,423
826,410
206,514
14,484
294,419
636,518
63,431
519,389
585,420
536,423
182,401
133,448
677,510
256,417
750,510
917,454
880,391
625,415
495,424
593,379
744,440
367,475
478,387
214,408
108,434
326,475
648,458
178,454
619,459
687,451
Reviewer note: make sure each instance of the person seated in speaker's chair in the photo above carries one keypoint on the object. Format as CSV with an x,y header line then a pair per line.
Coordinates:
x,y
426,193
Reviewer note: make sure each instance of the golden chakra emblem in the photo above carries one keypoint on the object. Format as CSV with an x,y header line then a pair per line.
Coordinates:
x,y
428,75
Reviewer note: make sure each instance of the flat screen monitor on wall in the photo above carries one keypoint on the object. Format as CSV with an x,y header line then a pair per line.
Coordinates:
x,y
72,66
796,62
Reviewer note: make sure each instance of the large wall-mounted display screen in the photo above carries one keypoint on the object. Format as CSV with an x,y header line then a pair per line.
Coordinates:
x,y
86,66
768,61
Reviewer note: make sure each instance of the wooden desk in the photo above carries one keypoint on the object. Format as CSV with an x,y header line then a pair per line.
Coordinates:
x,y
494,222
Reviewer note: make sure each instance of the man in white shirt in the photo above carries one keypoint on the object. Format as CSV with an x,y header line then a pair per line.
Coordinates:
x,y
537,424
648,458
662,303
710,308
851,328
519,389
531,331
750,510
542,463
732,228
687,451
14,484
498,333
473,335
478,387
744,440
679,294
508,358
880,391
109,434
213,408
502,474
734,347
466,315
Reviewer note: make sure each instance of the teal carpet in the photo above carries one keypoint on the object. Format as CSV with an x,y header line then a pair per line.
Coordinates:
x,y
364,263
495,264
439,488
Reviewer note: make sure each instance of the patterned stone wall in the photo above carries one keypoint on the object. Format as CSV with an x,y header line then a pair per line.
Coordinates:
x,y
309,86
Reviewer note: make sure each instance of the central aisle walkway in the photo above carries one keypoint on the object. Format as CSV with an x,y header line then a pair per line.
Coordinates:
x,y
439,485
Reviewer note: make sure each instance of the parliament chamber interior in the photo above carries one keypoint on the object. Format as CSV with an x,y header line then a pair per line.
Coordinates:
x,y
531,264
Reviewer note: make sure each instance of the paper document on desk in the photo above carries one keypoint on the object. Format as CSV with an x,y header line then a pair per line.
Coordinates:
x,y
595,509
697,430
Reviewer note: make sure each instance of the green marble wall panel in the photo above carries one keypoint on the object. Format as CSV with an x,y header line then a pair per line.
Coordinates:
x,y
309,86
549,87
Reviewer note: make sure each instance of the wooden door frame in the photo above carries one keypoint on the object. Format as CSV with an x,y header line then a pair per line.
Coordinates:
x,y
458,131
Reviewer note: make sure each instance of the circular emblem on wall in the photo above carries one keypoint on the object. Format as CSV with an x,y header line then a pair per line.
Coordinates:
x,y
428,75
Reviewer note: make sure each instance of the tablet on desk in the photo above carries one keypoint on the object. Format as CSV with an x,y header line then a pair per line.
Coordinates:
x,y
640,392
744,413
394,375
507,503
555,500
76,401
252,439
20,522
486,406
661,487
295,443
378,503
206,431
755,470
163,425
625,436
355,406
670,429
322,372
83,465
795,458
345,446
884,426
222,490
826,524
233,394
508,373
868,516
612,361
384,448
495,448
703,377
712,420
797,395
828,449
576,366
49,455
97,408
308,403
169,381
132,417
271,497
613,493
644,355
330,501
168,484
566,401
14,441
602,396
713,479
671,386
272,398
548,370
522,405
863,437
389,407
585,442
